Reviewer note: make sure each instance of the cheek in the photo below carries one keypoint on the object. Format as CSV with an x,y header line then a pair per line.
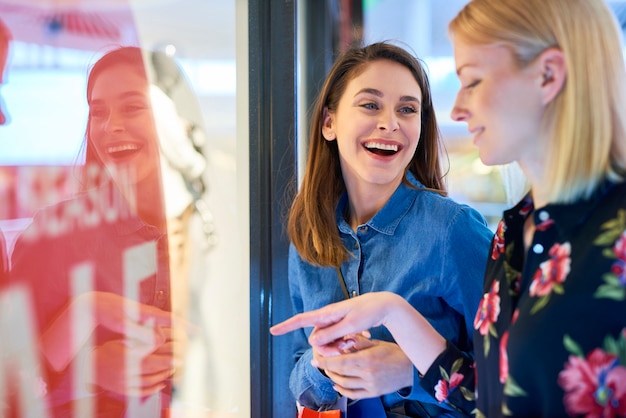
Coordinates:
x,y
413,132
94,133
142,128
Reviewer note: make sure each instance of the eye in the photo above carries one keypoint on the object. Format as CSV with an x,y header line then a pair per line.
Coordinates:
x,y
472,84
97,112
134,107
369,105
408,110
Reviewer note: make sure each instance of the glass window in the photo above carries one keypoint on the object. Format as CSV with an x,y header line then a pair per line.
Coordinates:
x,y
121,228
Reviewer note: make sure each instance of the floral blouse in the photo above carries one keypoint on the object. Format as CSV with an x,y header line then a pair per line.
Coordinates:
x,y
550,331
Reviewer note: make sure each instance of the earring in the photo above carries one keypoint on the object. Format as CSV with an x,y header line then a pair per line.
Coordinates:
x,y
547,76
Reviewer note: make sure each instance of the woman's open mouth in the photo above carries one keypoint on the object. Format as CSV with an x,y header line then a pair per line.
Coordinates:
x,y
379,148
121,151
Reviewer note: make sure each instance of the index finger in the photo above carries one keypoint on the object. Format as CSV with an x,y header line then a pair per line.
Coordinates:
x,y
319,318
302,320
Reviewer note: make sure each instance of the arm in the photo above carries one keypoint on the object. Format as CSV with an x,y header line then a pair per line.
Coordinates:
x,y
420,341
99,308
464,260
450,379
307,383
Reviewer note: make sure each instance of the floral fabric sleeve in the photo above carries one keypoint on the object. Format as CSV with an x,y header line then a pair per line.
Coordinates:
x,y
451,379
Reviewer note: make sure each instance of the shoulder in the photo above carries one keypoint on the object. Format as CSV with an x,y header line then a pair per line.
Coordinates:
x,y
439,203
446,209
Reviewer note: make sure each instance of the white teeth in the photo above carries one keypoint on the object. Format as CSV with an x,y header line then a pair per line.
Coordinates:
x,y
120,148
386,147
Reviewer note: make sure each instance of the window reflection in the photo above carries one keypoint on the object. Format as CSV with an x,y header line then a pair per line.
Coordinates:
x,y
96,316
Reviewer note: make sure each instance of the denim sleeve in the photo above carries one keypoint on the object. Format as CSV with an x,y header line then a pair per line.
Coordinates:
x,y
450,379
307,384
465,255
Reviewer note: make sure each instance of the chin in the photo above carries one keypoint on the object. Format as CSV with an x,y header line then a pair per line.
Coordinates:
x,y
490,159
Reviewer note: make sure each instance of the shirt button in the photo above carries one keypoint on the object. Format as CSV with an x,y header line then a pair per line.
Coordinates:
x,y
160,295
356,245
363,228
544,216
538,248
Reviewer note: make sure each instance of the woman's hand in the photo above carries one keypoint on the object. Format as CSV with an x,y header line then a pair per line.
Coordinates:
x,y
131,368
376,369
334,321
413,333
138,323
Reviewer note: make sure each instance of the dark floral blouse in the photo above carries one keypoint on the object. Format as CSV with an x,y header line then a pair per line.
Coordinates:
x,y
550,331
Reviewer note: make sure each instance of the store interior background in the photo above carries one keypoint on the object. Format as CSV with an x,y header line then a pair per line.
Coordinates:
x,y
46,80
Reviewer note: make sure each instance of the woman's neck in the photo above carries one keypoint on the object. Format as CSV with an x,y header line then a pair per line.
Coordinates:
x,y
364,203
535,172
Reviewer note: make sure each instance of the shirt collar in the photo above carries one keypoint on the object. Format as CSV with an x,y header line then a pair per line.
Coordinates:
x,y
565,215
389,216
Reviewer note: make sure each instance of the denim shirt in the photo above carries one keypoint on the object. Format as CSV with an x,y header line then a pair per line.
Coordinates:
x,y
425,247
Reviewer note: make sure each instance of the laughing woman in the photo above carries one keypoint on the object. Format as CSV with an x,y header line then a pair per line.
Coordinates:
x,y
372,215
97,263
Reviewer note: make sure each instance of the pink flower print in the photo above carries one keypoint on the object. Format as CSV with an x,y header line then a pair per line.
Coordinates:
x,y
498,241
488,310
552,271
620,247
528,206
443,388
594,386
619,267
504,356
545,225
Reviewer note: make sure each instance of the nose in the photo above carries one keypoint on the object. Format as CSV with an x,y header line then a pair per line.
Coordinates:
x,y
114,122
459,111
388,121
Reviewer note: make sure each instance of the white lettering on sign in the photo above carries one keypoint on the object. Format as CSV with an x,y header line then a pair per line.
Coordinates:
x,y
83,322
19,342
20,374
140,262
108,203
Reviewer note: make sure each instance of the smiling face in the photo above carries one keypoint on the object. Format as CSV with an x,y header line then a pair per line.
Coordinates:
x,y
501,104
376,126
121,125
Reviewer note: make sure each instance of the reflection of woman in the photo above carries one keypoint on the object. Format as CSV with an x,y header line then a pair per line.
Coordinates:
x,y
103,256
121,133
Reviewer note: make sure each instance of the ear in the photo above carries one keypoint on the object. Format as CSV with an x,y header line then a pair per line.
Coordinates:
x,y
327,127
553,73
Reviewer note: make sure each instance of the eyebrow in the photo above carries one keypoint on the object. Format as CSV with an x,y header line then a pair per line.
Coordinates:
x,y
458,70
379,93
125,95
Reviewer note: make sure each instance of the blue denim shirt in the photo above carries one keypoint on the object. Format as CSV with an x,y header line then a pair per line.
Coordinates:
x,y
425,247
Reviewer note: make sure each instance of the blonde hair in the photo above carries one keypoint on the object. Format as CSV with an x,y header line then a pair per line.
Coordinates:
x,y
585,121
312,225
